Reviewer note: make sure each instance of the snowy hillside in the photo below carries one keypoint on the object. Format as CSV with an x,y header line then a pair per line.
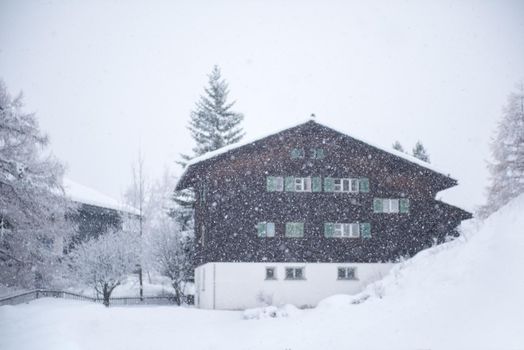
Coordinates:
x,y
467,294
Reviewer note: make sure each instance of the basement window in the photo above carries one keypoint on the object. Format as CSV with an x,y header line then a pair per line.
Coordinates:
x,y
347,273
295,273
271,273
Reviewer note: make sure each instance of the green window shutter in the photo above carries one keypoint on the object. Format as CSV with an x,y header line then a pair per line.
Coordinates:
x,y
297,153
404,205
289,184
320,153
316,184
329,184
271,183
363,185
378,205
365,230
329,229
261,228
294,229
300,229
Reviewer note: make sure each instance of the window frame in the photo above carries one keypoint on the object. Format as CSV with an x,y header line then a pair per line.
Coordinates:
x,y
352,185
274,273
294,274
346,230
302,184
389,208
346,276
267,233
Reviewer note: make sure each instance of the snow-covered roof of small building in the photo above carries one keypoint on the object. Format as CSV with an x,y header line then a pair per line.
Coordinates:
x,y
86,195
248,141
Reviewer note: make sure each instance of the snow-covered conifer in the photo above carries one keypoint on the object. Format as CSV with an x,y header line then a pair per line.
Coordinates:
x,y
420,152
398,146
507,148
213,124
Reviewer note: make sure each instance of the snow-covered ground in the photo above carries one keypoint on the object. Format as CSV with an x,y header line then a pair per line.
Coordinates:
x,y
467,294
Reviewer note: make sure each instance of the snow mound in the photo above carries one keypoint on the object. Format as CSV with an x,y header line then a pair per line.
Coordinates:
x,y
270,312
469,290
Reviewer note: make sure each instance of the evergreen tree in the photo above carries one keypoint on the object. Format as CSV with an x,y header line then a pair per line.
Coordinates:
x,y
507,148
213,124
420,152
398,146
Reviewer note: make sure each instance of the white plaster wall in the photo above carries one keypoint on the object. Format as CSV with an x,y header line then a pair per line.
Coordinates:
x,y
243,285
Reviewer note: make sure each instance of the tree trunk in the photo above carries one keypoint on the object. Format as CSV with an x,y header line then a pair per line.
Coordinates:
x,y
106,294
141,284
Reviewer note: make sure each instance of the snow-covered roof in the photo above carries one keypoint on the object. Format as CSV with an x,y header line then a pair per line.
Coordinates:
x,y
86,195
248,141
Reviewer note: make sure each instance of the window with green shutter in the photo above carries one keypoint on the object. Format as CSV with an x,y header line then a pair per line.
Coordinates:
x,y
365,230
266,229
289,184
404,205
261,229
378,205
297,153
316,184
329,184
329,229
274,183
317,153
363,185
294,229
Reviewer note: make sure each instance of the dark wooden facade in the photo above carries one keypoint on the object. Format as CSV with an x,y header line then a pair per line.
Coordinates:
x,y
232,198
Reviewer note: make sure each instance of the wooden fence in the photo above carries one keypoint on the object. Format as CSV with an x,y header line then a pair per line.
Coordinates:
x,y
43,293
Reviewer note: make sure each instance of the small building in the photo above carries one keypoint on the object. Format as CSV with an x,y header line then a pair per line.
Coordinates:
x,y
308,212
96,212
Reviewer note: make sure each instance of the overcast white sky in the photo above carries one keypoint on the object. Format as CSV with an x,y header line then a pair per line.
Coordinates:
x,y
106,76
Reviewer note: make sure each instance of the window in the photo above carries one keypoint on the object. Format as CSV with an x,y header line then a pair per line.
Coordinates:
x,y
317,153
302,184
387,205
275,183
345,185
297,153
202,235
266,229
295,229
347,230
271,273
347,273
295,273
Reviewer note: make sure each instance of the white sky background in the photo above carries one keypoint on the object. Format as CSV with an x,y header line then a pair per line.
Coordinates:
x,y
107,76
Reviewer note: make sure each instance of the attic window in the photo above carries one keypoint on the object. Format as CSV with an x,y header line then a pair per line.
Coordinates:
x,y
317,153
297,153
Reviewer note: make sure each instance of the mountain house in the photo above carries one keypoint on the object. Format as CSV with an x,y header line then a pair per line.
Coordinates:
x,y
306,213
